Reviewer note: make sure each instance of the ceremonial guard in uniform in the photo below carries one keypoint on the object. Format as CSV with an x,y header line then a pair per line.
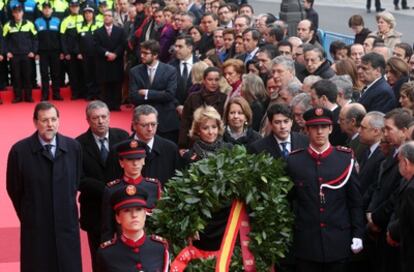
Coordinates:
x,y
49,50
131,155
326,199
132,250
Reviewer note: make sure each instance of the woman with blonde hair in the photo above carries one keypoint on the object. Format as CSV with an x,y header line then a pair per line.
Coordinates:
x,y
233,69
197,76
238,120
254,91
386,29
206,130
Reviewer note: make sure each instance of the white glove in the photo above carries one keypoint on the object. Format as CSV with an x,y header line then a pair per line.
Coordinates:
x,y
356,246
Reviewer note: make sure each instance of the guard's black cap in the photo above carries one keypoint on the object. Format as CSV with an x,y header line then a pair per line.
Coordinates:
x,y
127,197
131,149
318,116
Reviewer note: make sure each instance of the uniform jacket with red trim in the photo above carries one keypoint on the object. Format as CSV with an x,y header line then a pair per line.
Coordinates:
x,y
325,226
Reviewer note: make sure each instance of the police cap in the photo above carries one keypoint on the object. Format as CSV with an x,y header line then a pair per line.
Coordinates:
x,y
88,8
46,4
128,196
74,3
17,7
318,116
131,149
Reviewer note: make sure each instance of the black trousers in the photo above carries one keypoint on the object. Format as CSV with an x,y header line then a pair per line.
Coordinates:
x,y
89,72
50,69
309,266
111,94
403,3
21,68
76,81
94,240
3,74
377,4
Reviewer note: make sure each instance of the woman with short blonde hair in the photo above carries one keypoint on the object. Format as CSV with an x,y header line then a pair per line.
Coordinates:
x,y
386,29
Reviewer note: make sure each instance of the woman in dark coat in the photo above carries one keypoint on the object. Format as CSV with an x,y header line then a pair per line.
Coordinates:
x,y
238,120
209,95
207,129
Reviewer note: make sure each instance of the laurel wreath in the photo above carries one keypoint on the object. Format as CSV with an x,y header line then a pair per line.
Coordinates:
x,y
208,185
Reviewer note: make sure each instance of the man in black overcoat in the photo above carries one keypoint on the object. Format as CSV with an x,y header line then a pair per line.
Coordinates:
x,y
43,173
100,165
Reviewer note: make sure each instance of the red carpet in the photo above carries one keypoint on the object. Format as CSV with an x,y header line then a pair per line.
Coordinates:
x,y
16,123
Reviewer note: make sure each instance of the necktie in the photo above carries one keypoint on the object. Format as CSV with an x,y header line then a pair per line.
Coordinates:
x,y
108,30
285,152
185,75
151,74
365,157
104,151
48,148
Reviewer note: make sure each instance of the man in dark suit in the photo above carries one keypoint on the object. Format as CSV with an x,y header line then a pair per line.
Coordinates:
x,y
370,134
326,200
43,173
110,46
324,94
400,231
282,140
183,62
155,83
100,165
251,40
162,154
377,95
350,118
381,205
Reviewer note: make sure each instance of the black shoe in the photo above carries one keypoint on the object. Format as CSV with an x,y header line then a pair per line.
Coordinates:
x,y
57,98
44,98
406,7
17,100
396,7
29,100
74,97
368,10
380,9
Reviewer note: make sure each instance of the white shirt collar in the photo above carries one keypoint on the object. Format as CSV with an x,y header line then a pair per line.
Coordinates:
x,y
372,148
43,143
372,83
319,152
150,144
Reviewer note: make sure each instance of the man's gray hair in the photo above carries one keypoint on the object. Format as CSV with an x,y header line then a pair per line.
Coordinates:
x,y
286,62
356,111
344,85
302,99
376,119
407,151
143,110
95,104
310,80
294,88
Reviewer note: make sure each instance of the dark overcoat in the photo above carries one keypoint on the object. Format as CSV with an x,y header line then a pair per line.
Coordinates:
x,y
43,190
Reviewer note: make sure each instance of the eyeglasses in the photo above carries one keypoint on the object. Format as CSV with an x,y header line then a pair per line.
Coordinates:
x,y
147,125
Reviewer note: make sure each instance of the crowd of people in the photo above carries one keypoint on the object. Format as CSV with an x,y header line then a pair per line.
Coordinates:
x,y
204,76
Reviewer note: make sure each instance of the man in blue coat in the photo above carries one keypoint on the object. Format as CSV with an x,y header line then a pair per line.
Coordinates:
x,y
43,173
377,94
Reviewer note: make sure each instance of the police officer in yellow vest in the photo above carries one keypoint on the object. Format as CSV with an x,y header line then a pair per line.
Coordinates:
x,y
87,51
70,48
20,46
60,7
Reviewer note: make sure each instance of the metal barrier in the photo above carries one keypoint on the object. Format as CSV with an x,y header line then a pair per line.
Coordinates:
x,y
328,37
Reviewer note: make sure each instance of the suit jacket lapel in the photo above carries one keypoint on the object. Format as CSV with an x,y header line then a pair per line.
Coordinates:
x,y
93,148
